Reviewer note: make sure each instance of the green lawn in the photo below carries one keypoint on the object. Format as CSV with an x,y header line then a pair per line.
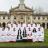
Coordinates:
x,y
19,44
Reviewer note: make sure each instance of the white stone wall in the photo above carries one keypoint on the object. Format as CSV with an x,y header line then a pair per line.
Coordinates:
x,y
25,19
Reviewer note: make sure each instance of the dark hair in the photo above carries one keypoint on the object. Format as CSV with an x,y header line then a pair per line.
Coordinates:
x,y
39,29
34,30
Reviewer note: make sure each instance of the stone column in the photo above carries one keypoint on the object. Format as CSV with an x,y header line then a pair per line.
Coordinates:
x,y
31,19
12,18
25,19
45,25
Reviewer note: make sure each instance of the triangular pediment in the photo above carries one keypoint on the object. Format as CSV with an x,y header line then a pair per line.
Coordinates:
x,y
21,8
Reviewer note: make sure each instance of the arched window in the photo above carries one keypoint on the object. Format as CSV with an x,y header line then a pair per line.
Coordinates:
x,y
28,18
21,17
47,18
34,18
8,17
38,18
14,17
43,18
3,17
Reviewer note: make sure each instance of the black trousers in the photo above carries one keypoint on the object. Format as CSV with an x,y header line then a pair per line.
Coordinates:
x,y
29,40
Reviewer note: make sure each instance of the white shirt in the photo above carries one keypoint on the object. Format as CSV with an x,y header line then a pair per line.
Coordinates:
x,y
29,32
6,31
15,33
39,33
29,37
42,31
24,25
11,29
17,28
0,30
33,25
3,33
9,25
14,25
27,29
31,28
10,32
29,25
36,28
38,25
19,25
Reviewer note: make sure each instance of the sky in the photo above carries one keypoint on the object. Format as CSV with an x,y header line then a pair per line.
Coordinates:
x,y
5,5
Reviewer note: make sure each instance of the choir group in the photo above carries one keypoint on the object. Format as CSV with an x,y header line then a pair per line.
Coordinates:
x,y
16,32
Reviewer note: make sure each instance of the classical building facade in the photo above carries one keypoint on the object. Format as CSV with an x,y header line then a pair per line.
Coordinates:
x,y
24,14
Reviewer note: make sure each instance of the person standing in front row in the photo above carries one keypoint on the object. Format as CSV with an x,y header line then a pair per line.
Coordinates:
x,y
34,35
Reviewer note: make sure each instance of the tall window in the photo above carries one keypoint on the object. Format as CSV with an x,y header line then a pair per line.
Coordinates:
x,y
47,18
21,17
38,18
3,17
43,18
8,17
14,17
28,18
34,18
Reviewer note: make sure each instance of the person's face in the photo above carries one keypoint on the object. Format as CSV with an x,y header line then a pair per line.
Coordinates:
x,y
14,29
27,25
8,28
39,29
16,25
31,25
3,29
11,25
21,25
29,29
